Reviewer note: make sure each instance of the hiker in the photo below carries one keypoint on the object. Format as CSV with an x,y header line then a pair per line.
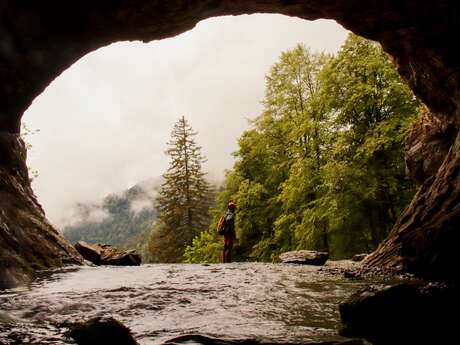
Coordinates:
x,y
228,230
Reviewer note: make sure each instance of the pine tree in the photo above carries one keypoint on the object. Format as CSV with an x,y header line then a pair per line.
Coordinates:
x,y
184,199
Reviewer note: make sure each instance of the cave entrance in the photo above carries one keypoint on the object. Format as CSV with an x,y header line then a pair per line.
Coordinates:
x,y
38,45
125,98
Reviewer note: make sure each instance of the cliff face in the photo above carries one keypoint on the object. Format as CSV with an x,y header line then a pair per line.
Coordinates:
x,y
40,39
427,146
425,239
27,241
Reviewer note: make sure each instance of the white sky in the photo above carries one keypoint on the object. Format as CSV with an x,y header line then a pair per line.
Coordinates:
x,y
105,121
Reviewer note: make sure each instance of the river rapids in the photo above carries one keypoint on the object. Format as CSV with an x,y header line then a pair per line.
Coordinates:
x,y
266,302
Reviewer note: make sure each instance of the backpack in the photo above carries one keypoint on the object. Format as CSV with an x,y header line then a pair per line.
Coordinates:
x,y
221,225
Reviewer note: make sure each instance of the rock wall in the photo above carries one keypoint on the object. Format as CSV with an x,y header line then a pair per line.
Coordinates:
x,y
40,39
428,144
425,239
27,241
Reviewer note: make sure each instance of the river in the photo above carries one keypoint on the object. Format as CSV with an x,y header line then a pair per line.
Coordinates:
x,y
267,302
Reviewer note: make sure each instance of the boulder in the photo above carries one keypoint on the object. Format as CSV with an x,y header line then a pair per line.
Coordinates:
x,y
105,254
198,339
100,330
90,252
359,257
405,313
113,256
304,257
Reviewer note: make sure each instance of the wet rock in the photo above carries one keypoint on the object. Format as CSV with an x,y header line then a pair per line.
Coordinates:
x,y
113,256
425,237
424,240
89,263
6,318
105,254
406,313
338,268
99,331
427,145
359,257
28,242
10,276
305,257
349,274
90,252
198,339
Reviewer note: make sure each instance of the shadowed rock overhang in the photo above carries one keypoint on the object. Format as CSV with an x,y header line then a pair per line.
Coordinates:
x,y
40,39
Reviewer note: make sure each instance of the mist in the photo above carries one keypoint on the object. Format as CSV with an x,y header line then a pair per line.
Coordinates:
x,y
105,121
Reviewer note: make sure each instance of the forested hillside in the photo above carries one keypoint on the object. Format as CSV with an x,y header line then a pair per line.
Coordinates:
x,y
322,166
123,219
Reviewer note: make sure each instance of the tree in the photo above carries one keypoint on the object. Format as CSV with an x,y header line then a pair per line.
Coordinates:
x,y
25,133
290,128
373,110
294,91
323,166
289,135
184,199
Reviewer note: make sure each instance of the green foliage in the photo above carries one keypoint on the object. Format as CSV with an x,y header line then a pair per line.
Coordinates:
x,y
196,252
322,167
184,199
373,110
26,132
205,248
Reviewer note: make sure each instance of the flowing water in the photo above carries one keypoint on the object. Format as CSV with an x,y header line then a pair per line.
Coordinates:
x,y
267,302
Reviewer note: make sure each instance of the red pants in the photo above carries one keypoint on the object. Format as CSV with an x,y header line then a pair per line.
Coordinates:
x,y
228,245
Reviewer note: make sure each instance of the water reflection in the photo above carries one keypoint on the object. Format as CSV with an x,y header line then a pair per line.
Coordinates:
x,y
268,302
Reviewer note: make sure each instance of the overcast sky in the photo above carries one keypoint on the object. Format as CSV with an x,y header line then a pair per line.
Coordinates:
x,y
105,121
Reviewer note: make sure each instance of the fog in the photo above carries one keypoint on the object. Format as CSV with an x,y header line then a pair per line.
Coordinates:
x,y
105,121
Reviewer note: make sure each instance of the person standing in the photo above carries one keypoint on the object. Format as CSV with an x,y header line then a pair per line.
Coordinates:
x,y
229,232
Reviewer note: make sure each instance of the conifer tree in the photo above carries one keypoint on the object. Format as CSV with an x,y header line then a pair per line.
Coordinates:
x,y
184,199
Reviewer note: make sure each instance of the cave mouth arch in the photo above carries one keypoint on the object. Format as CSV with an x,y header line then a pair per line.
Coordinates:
x,y
48,37
118,97
39,40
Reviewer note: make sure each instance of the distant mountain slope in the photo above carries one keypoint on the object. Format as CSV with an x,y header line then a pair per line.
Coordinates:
x,y
122,219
